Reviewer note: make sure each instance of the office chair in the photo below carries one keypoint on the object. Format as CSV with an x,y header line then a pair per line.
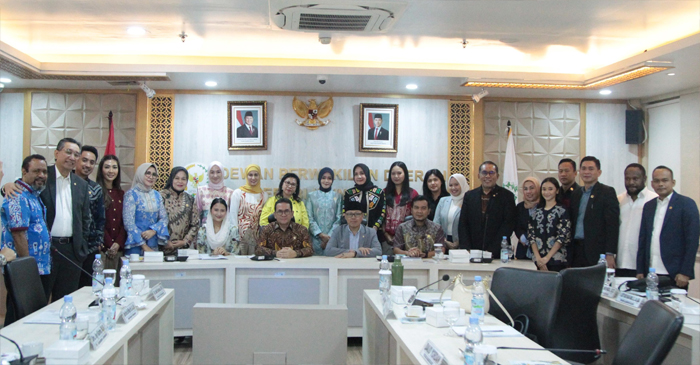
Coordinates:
x,y
24,287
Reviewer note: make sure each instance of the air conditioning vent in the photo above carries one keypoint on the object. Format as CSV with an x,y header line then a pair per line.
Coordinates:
x,y
331,16
123,83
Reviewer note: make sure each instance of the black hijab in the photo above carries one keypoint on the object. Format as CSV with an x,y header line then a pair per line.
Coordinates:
x,y
175,170
368,178
320,176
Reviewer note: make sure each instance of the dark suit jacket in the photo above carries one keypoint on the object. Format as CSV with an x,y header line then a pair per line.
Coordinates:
x,y
679,236
81,210
383,134
243,132
501,214
601,223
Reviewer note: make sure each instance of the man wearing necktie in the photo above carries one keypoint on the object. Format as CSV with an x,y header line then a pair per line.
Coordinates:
x,y
247,130
378,133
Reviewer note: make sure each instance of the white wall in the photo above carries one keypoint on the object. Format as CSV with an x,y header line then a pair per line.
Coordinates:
x,y
11,134
690,144
201,127
664,139
605,139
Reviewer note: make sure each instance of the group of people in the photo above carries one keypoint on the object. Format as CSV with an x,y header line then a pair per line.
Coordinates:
x,y
57,213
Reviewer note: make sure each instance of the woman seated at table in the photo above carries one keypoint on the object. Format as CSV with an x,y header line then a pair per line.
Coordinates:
x,y
434,189
289,188
215,189
549,230
183,216
526,210
353,239
145,218
325,207
449,209
218,236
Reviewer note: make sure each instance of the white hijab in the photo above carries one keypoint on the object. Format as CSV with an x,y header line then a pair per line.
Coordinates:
x,y
463,184
217,239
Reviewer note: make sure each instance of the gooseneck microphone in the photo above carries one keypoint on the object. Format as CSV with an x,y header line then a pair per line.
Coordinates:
x,y
22,360
413,297
54,249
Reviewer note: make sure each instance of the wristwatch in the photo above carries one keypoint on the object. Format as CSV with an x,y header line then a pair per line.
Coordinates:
x,y
3,260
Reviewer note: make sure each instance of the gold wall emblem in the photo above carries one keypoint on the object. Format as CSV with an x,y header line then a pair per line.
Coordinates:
x,y
312,113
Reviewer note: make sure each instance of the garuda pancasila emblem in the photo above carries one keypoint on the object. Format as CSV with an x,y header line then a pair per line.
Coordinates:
x,y
312,113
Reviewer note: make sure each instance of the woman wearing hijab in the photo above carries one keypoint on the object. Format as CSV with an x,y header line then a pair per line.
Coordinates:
x,y
325,207
289,188
246,207
215,189
145,218
183,215
218,236
434,189
371,199
449,208
526,210
399,199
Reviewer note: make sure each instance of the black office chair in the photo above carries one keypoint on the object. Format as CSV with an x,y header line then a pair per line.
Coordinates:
x,y
533,293
576,325
651,336
24,287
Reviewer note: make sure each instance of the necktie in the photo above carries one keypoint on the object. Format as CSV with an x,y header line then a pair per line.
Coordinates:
x,y
251,130
376,132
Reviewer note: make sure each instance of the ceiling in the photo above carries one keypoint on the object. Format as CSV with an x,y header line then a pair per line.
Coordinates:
x,y
235,43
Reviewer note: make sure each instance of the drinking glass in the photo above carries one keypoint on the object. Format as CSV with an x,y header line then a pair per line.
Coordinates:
x,y
450,311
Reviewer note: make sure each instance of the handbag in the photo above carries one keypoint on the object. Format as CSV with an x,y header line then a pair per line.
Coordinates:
x,y
463,294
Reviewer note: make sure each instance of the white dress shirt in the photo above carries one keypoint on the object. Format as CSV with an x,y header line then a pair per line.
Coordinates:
x,y
63,222
630,222
655,252
354,240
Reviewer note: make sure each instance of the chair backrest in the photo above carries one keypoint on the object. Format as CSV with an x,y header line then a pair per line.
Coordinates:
x,y
24,286
576,324
529,292
651,336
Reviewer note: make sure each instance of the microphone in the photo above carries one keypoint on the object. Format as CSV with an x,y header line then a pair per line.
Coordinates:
x,y
413,297
598,352
22,360
54,249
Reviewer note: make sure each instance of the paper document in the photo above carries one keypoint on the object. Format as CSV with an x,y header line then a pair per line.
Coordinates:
x,y
49,317
204,256
491,331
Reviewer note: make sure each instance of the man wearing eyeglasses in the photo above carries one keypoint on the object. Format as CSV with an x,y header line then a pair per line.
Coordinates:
x,y
283,238
488,213
353,239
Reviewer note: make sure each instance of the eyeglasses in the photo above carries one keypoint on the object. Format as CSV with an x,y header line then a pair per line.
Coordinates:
x,y
283,212
152,174
487,173
353,215
288,183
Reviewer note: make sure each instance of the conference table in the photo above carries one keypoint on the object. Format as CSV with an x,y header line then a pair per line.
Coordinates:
x,y
388,341
146,339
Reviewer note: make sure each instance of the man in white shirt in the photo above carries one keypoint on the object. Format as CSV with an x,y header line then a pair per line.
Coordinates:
x,y
668,237
631,206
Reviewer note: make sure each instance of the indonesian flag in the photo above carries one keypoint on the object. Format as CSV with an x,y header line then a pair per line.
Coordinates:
x,y
510,168
371,120
239,118
111,147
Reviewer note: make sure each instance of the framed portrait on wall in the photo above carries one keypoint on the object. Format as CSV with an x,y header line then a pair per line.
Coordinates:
x,y
247,125
379,127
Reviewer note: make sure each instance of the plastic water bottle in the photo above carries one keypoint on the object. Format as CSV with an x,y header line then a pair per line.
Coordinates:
x,y
505,250
385,284
652,285
68,313
125,281
473,337
97,274
109,305
602,260
478,299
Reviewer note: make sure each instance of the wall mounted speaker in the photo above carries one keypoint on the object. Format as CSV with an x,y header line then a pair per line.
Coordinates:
x,y
634,126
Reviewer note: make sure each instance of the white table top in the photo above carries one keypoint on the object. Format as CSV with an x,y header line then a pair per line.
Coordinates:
x,y
414,336
48,334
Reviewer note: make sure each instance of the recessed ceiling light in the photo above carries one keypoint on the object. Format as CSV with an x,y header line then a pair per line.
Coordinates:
x,y
2,85
5,80
605,92
210,83
669,74
136,31
411,86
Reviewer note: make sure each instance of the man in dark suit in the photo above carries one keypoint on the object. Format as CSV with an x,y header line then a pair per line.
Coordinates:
x,y
378,133
488,213
595,218
567,179
247,130
67,203
668,237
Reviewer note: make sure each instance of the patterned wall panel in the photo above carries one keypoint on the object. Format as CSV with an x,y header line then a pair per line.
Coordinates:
x,y
160,136
84,117
460,151
544,134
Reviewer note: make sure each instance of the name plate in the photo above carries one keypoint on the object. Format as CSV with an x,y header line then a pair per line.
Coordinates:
x,y
98,336
631,299
157,292
610,292
128,313
432,355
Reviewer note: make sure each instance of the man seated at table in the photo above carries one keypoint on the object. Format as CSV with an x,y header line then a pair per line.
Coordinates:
x,y
353,239
416,238
284,238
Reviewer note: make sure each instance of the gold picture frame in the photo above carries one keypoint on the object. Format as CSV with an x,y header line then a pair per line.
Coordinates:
x,y
243,133
385,136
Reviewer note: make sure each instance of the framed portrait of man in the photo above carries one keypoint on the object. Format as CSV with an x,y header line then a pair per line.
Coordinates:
x,y
247,125
379,127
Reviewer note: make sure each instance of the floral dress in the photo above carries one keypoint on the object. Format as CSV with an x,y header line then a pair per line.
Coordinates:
x,y
546,228
143,211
